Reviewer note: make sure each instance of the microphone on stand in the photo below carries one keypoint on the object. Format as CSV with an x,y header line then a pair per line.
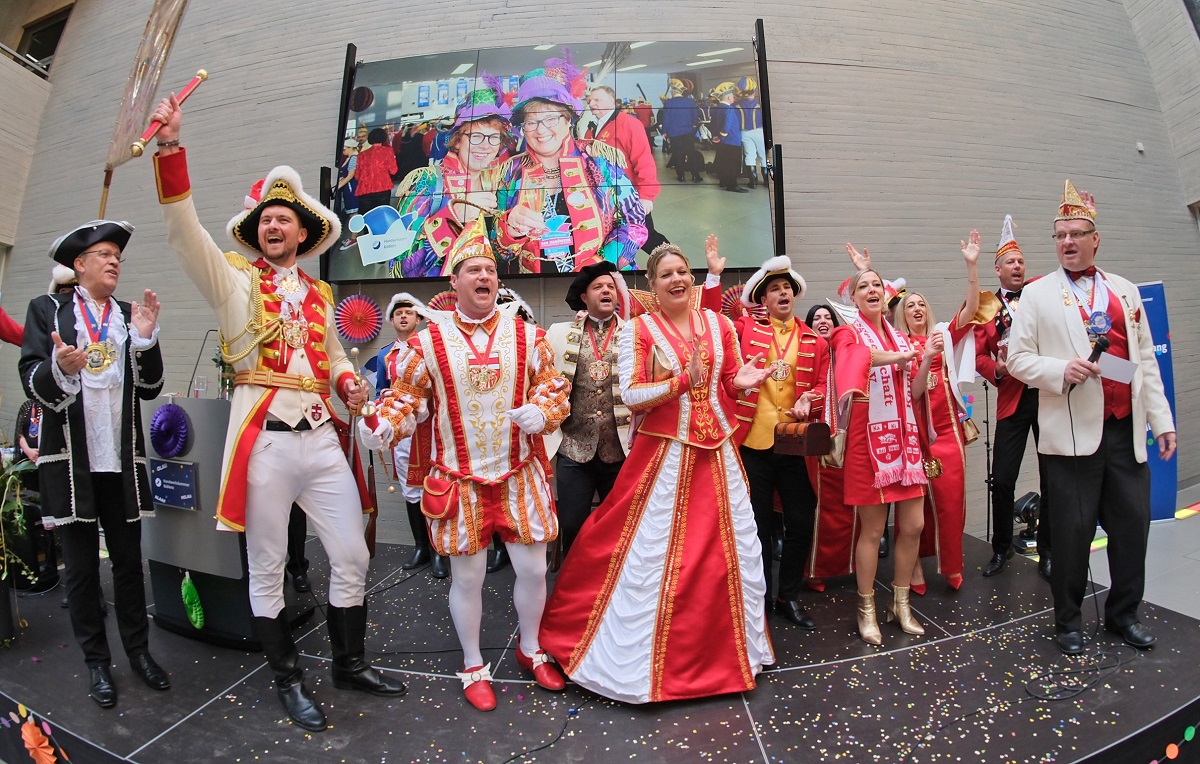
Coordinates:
x,y
1099,347
199,355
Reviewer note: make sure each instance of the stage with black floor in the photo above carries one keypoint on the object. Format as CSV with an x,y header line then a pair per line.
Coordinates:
x,y
976,688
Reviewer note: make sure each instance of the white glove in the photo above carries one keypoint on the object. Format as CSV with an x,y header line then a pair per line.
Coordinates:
x,y
529,418
374,440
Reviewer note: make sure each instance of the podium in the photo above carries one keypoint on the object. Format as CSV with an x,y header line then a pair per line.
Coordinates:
x,y
183,536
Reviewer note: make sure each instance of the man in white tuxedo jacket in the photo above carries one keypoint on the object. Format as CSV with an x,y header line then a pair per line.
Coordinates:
x,y
1093,429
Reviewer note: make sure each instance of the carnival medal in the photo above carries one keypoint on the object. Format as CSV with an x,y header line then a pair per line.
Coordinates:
x,y
1099,323
99,353
780,370
599,371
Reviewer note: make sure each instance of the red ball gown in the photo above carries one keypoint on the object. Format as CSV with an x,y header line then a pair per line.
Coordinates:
x,y
662,594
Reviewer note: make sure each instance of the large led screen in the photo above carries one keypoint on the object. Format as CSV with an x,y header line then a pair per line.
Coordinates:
x,y
554,156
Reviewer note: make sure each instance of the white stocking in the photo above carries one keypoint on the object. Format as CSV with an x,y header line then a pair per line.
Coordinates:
x,y
529,591
466,603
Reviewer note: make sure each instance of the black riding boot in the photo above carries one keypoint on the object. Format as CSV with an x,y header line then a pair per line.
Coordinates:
x,y
276,637
347,633
498,557
416,522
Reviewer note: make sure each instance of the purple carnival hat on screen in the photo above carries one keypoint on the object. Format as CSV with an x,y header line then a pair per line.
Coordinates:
x,y
558,81
482,103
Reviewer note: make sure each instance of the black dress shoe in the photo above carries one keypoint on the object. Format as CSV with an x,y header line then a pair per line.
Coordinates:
x,y
1134,635
777,548
420,557
301,583
497,559
996,564
440,567
1070,642
103,691
150,672
796,614
737,189
885,547
1044,568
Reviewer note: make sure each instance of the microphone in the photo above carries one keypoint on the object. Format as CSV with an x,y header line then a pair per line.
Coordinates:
x,y
1098,348
196,365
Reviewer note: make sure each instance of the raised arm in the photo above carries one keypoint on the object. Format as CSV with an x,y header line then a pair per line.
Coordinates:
x,y
970,253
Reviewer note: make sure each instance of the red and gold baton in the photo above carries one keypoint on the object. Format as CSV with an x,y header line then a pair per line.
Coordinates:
x,y
140,144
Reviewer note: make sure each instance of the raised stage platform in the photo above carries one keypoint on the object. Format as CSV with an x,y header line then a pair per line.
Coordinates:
x,y
962,693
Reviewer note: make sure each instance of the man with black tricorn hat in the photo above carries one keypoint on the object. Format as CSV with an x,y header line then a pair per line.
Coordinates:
x,y
88,360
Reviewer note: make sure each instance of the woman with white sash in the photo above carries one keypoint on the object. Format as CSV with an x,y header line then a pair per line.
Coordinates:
x,y
883,465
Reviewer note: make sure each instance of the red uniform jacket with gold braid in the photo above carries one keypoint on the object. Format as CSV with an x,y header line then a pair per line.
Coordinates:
x,y
242,295
811,370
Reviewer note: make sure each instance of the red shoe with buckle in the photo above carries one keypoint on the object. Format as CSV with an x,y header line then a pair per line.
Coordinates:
x,y
544,672
477,687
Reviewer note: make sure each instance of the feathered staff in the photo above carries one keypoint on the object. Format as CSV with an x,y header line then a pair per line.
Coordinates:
x,y
142,86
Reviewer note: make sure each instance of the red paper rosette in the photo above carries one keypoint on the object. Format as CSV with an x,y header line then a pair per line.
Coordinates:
x,y
731,304
358,318
447,300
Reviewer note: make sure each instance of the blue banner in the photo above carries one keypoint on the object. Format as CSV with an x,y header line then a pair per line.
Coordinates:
x,y
1164,475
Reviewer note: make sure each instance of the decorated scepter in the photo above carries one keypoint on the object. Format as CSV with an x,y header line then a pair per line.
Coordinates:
x,y
142,86
139,146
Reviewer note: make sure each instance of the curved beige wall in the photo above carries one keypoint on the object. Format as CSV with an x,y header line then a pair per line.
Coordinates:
x,y
904,124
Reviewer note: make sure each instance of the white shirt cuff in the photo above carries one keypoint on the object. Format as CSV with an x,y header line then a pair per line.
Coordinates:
x,y
136,342
712,280
71,385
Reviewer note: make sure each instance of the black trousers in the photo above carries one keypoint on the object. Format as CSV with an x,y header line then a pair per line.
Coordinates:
x,y
1112,488
81,556
1012,433
684,156
768,472
368,202
577,483
297,563
728,165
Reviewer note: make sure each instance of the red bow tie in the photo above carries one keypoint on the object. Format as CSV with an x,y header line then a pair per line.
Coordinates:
x,y
1077,275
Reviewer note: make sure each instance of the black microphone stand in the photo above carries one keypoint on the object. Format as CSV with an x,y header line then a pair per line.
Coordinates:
x,y
987,450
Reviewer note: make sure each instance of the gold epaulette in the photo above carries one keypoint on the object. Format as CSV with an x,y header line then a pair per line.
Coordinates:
x,y
989,306
239,261
325,290
612,154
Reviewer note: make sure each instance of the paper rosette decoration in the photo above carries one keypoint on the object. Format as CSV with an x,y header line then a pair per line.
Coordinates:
x,y
447,300
731,304
169,431
358,319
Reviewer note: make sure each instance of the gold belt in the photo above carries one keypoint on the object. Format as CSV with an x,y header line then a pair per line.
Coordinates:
x,y
268,378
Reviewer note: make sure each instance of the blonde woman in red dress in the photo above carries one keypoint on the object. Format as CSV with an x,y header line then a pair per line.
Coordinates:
x,y
938,411
883,462
662,596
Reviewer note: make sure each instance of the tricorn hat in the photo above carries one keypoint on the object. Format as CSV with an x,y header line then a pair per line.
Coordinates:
x,y
589,273
405,300
776,267
282,187
74,243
